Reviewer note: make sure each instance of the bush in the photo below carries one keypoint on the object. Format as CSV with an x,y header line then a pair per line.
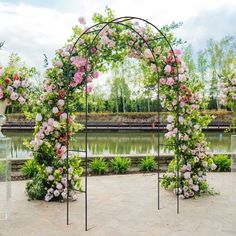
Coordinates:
x,y
147,164
98,166
2,170
30,168
223,162
35,189
120,165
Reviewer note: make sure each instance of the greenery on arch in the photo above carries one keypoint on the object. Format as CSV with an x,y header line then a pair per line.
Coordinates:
x,y
72,73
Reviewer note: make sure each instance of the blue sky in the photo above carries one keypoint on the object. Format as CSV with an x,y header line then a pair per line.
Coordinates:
x,y
32,28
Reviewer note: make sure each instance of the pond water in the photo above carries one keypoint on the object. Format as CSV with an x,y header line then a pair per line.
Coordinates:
x,y
117,142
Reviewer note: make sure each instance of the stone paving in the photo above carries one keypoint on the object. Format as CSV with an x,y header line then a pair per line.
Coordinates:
x,y
126,205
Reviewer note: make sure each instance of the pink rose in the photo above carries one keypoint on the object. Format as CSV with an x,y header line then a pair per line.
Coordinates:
x,y
82,20
89,89
167,69
21,100
162,81
177,52
89,79
105,40
51,121
95,74
79,62
147,54
170,81
111,44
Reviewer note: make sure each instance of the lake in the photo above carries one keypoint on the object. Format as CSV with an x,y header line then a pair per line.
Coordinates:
x,y
117,142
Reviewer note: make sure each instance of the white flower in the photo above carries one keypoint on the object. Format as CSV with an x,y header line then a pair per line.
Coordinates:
x,y
213,166
48,197
10,89
21,100
181,120
25,83
205,164
57,64
16,83
49,169
39,117
56,193
64,195
170,119
59,186
61,102
187,175
50,177
55,110
56,125
14,96
63,116
195,188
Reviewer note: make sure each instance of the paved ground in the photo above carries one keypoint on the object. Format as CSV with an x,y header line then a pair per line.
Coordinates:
x,y
126,206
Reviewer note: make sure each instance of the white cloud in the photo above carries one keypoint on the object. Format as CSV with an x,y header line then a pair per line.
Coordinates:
x,y
32,31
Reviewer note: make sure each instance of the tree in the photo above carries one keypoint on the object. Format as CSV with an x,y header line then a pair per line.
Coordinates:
x,y
190,64
219,53
202,70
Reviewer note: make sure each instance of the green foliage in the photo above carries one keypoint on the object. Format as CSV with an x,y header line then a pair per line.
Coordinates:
x,y
120,165
2,169
30,168
172,166
223,162
35,189
147,164
98,166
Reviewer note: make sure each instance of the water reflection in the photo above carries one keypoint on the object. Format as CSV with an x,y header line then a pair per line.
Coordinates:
x,y
117,142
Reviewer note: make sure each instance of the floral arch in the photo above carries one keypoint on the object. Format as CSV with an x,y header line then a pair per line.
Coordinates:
x,y
91,51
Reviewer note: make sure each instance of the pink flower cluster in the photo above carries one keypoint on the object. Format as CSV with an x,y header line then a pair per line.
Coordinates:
x,y
228,90
13,87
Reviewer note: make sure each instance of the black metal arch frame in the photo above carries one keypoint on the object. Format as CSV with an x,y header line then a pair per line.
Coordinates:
x,y
119,21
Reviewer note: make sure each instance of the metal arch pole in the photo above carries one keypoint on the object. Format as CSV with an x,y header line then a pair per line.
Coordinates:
x,y
86,159
67,158
116,21
177,157
158,147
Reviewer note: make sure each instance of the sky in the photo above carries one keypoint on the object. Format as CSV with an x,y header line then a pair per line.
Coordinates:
x,y
32,28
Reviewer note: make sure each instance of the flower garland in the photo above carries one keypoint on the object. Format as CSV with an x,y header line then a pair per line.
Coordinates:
x,y
186,174
73,68
14,86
